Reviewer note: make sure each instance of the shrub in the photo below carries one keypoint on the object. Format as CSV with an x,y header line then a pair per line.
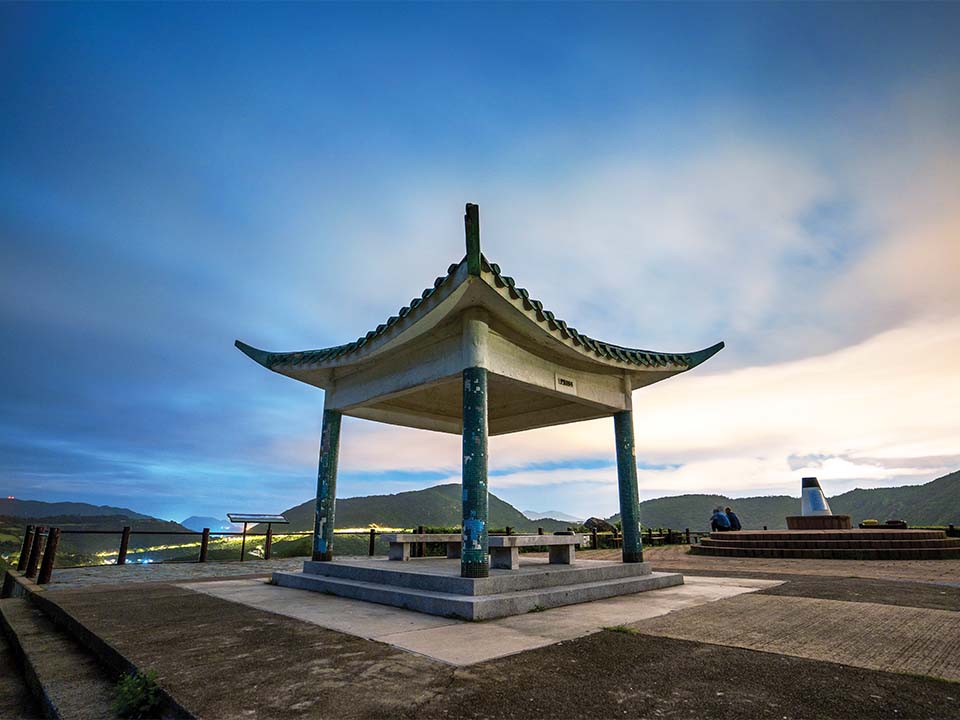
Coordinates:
x,y
138,696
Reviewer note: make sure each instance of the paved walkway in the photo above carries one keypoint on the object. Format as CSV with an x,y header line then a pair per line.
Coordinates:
x,y
675,558
459,642
73,578
667,557
920,641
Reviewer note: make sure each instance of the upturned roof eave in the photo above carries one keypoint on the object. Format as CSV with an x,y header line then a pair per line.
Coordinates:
x,y
403,328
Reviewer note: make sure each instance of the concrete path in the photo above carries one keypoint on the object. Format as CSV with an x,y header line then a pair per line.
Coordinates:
x,y
919,641
675,558
458,642
75,578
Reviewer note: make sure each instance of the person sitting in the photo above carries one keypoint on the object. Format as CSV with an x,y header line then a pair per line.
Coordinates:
x,y
732,517
719,522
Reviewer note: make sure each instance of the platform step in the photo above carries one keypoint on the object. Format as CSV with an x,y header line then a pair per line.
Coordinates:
x,y
476,607
943,553
860,534
66,680
831,544
431,575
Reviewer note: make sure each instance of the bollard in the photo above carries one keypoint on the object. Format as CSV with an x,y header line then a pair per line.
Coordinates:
x,y
268,544
25,550
34,560
49,556
124,545
373,540
204,545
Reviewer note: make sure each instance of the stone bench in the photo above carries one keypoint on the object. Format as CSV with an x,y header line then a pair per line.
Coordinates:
x,y
505,549
400,543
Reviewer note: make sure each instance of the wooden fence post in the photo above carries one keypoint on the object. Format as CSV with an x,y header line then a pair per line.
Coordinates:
x,y
49,556
593,539
422,546
124,546
268,543
539,531
204,545
509,530
34,560
373,541
243,542
25,550
687,532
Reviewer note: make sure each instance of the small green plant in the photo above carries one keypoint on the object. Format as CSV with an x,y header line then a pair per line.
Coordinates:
x,y
138,696
537,608
622,629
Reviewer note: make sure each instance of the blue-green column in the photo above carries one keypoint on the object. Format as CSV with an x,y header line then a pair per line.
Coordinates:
x,y
627,480
473,555
327,486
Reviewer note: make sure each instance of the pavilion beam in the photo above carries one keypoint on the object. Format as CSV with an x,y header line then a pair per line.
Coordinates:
x,y
327,485
627,480
474,561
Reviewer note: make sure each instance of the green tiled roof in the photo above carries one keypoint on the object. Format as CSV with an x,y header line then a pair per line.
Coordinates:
x,y
342,354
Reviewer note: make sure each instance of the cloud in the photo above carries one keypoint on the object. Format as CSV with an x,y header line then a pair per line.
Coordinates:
x,y
876,413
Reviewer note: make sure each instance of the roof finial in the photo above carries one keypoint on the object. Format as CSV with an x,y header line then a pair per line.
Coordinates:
x,y
471,221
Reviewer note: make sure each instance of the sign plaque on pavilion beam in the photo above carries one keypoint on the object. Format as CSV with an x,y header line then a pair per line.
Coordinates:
x,y
477,355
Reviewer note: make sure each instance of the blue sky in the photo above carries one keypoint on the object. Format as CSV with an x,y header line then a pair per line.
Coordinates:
x,y
174,176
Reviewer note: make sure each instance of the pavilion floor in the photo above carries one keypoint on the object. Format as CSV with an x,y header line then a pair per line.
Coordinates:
x,y
434,585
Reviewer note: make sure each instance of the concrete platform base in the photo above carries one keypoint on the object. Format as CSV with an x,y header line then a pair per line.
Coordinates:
x,y
434,585
862,544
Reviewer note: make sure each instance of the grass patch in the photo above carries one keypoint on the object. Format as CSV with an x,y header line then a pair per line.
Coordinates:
x,y
536,608
138,696
622,629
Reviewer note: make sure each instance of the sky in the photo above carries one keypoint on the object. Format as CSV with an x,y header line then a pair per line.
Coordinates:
x,y
783,177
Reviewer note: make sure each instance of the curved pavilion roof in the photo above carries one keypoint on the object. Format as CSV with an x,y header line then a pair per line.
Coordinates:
x,y
539,317
418,331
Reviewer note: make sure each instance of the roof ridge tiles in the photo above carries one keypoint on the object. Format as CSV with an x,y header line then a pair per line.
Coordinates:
x,y
585,343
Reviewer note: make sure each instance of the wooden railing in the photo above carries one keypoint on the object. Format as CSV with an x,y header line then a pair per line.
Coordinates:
x,y
39,548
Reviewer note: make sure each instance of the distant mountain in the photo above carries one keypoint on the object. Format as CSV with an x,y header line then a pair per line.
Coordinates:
x,y
934,503
38,508
15,514
551,515
438,506
199,522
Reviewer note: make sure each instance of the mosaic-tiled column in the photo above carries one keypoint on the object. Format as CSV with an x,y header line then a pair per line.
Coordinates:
x,y
474,561
327,486
627,479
